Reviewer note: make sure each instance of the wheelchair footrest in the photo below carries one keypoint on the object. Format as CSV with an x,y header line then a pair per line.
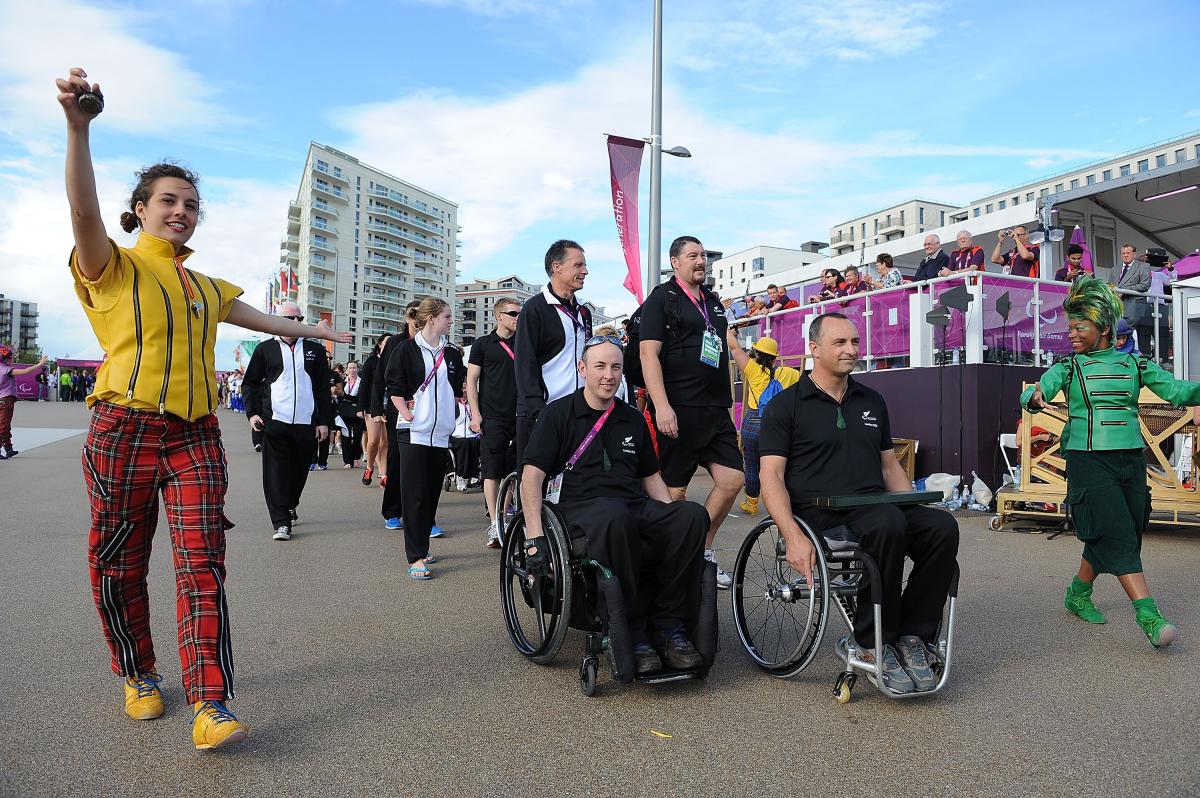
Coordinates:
x,y
668,676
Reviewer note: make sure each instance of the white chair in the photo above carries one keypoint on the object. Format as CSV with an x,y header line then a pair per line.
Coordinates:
x,y
1009,441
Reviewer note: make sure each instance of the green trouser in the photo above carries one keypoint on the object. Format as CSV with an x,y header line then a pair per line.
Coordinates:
x,y
1109,502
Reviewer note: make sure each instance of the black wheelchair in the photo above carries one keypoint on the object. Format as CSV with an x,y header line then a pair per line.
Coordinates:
x,y
781,618
575,591
508,502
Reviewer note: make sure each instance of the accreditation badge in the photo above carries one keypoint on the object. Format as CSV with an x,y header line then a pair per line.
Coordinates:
x,y
710,349
554,488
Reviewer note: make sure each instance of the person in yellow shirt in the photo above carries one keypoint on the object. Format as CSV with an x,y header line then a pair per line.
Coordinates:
x,y
153,429
761,379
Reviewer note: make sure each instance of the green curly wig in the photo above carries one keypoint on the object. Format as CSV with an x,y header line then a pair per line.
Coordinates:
x,y
1092,299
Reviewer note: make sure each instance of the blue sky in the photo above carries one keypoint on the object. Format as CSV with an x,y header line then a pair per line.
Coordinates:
x,y
799,115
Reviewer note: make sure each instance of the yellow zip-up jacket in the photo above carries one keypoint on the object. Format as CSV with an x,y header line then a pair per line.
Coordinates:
x,y
157,324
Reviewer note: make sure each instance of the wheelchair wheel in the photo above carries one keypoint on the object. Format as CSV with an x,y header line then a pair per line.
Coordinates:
x,y
508,503
537,606
587,675
780,618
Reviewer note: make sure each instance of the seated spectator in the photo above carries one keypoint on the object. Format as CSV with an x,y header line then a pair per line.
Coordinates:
x,y
829,435
778,299
1124,340
854,282
833,286
889,275
935,261
611,493
966,258
1073,269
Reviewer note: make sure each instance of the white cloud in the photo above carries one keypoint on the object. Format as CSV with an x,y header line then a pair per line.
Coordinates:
x,y
147,89
500,8
1193,113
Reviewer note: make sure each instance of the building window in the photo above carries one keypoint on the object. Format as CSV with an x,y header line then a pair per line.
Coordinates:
x,y
758,265
941,218
1125,170
864,224
989,208
920,215
1003,205
1144,165
1180,155
976,212
1058,187
1107,175
1160,161
1029,197
1044,192
1075,183
1091,179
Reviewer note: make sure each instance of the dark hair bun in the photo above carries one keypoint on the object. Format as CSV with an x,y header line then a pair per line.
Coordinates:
x,y
129,222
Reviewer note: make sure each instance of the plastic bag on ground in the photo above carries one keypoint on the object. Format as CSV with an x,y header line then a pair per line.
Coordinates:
x,y
946,483
980,492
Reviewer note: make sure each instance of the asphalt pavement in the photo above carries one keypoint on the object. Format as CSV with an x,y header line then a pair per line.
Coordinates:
x,y
355,680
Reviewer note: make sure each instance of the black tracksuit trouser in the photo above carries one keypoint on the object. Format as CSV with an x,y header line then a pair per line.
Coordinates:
x,y
889,533
655,550
393,500
424,470
287,452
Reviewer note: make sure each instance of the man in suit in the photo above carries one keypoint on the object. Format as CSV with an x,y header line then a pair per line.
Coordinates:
x,y
1134,275
934,261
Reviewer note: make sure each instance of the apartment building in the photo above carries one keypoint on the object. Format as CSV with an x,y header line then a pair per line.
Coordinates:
x,y
731,275
361,244
906,219
18,324
474,300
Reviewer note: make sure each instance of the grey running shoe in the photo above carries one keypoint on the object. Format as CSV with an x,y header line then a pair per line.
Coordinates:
x,y
282,532
724,580
914,657
895,678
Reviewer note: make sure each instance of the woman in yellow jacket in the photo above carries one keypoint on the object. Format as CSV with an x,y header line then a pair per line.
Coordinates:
x,y
153,429
758,370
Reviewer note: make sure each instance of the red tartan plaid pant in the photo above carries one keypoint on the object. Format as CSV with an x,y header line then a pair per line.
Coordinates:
x,y
129,457
6,413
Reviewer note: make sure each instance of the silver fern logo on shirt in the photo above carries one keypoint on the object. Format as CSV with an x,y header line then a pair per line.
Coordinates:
x,y
869,420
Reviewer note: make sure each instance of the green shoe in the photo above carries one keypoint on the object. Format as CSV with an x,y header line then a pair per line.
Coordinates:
x,y
1079,601
1160,632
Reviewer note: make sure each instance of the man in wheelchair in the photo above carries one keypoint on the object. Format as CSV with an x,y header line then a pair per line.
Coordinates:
x,y
604,477
829,435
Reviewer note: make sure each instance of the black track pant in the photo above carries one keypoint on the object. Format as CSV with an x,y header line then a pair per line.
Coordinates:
x,y
352,443
393,502
287,452
424,470
889,533
654,549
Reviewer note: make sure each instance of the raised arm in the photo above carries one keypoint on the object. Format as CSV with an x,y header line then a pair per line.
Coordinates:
x,y
92,247
243,315
1180,393
735,349
30,369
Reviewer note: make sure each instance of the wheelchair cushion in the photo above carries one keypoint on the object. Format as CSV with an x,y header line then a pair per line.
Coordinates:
x,y
840,538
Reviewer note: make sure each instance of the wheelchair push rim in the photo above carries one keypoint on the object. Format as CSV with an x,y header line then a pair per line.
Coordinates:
x,y
508,504
779,618
536,606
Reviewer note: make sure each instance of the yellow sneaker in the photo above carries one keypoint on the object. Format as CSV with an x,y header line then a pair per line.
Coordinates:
x,y
749,506
213,725
143,699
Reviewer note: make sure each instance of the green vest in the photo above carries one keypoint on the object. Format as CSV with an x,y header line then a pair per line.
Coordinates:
x,y
1102,390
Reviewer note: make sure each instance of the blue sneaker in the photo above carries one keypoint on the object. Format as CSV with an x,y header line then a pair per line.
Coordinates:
x,y
437,532
393,523
312,467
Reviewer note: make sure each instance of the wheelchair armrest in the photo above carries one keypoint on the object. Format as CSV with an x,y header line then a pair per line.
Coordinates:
x,y
900,497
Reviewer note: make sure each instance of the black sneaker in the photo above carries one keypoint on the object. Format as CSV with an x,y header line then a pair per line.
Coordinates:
x,y
295,517
677,651
646,659
282,532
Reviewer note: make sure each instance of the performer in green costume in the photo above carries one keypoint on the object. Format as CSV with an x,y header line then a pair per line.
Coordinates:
x,y
1102,443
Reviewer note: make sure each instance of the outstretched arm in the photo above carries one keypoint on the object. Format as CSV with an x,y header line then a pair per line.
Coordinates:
x,y
92,247
243,315
29,369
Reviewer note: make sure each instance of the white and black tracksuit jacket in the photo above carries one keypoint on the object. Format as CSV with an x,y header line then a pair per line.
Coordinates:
x,y
550,339
434,408
289,384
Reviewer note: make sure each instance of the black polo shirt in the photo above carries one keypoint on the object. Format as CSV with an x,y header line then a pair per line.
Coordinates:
x,y
670,316
498,383
800,424
625,439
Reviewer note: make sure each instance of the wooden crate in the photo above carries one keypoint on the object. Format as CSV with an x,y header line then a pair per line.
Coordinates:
x,y
906,453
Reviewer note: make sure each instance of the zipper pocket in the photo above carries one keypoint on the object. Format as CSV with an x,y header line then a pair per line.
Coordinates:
x,y
96,480
137,329
162,397
1086,401
118,541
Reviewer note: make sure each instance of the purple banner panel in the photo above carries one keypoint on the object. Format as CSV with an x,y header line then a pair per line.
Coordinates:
x,y
889,323
26,384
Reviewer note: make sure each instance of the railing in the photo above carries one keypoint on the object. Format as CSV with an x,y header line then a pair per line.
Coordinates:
x,y
318,224
336,174
321,245
385,280
894,333
400,199
328,189
325,207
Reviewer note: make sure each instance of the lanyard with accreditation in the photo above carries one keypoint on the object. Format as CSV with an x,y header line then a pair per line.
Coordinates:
x,y
437,363
554,488
710,345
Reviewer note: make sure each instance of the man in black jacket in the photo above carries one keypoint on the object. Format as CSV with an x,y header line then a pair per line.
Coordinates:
x,y
551,331
934,261
286,389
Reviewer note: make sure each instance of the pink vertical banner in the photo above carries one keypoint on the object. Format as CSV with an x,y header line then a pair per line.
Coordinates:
x,y
625,165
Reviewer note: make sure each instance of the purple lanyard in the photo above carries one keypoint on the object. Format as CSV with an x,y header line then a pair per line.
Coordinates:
x,y
437,362
591,436
506,348
570,316
700,306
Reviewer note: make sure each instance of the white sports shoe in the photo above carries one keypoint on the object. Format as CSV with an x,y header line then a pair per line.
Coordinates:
x,y
724,580
493,536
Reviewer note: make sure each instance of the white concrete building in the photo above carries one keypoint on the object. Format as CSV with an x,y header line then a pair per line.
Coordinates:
x,y
899,221
18,324
363,244
474,301
732,275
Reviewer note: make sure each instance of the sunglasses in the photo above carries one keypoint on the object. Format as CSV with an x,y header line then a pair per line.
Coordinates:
x,y
512,314
596,340
295,318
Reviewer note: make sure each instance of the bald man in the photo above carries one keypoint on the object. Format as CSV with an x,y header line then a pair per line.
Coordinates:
x,y
286,389
934,261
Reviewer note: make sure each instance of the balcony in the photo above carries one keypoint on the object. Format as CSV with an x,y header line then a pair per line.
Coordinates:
x,y
392,230
318,281
325,208
385,263
336,174
321,301
398,198
317,224
388,246
891,224
379,313
289,242
320,246
385,279
288,256
323,265
332,191
380,295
